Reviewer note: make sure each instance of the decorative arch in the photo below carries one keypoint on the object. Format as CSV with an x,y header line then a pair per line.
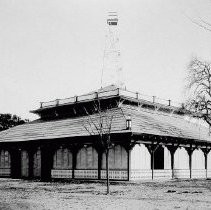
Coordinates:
x,y
118,158
140,157
87,158
62,159
198,159
181,159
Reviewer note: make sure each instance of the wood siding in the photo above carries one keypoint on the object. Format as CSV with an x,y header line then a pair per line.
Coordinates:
x,y
117,158
140,157
62,159
37,163
181,159
24,164
87,158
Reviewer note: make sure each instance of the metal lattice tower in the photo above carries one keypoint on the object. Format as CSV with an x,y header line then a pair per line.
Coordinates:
x,y
112,71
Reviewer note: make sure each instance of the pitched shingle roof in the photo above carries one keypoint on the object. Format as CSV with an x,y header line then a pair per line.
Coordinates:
x,y
143,122
163,124
54,129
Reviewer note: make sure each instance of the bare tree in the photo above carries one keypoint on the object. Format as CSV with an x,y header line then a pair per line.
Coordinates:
x,y
200,22
199,89
99,123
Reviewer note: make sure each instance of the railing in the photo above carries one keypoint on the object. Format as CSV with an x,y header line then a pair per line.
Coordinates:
x,y
110,93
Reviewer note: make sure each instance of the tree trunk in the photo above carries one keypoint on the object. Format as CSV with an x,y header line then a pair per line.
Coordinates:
x,y
107,171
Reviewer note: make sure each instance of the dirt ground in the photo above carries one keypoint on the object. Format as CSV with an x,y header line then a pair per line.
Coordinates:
x,y
174,194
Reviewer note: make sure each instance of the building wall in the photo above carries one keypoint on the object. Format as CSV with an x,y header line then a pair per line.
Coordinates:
x,y
117,158
37,163
181,163
118,163
209,165
198,164
86,163
198,159
167,159
209,161
62,163
89,164
24,164
181,159
62,159
140,157
140,160
87,158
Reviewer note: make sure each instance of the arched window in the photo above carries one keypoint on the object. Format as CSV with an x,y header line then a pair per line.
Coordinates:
x,y
87,158
62,159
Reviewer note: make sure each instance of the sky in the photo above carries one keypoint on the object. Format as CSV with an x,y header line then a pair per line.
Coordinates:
x,y
54,48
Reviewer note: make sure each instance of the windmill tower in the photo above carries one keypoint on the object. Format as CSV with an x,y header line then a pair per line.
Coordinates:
x,y
112,71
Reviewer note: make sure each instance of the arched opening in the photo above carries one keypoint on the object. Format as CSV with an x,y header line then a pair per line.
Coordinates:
x,y
62,163
140,157
37,163
181,159
62,159
117,158
87,163
5,163
159,158
198,159
118,163
24,163
87,158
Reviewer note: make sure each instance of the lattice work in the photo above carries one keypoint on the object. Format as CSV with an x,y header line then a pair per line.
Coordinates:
x,y
163,174
86,174
61,174
147,174
199,173
114,174
141,174
181,173
208,173
5,172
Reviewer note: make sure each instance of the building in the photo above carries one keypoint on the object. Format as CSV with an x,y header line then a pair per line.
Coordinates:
x,y
150,140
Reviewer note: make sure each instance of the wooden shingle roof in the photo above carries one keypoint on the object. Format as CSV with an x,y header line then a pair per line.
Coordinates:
x,y
163,124
55,129
143,122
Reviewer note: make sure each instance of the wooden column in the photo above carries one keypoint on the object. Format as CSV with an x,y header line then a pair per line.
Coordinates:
x,y
129,164
152,148
128,147
172,149
190,152
206,152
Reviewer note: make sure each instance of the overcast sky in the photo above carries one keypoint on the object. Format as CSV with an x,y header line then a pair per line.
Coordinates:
x,y
54,48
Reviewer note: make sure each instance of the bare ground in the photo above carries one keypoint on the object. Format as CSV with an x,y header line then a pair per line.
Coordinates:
x,y
174,194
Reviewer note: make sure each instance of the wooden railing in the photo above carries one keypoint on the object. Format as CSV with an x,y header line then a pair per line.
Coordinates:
x,y
109,93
